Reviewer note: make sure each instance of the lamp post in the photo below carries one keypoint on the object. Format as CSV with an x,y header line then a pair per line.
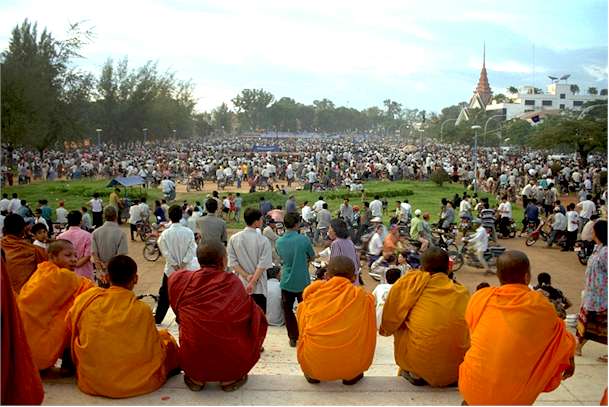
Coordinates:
x,y
586,110
442,128
145,130
487,122
174,133
475,128
98,136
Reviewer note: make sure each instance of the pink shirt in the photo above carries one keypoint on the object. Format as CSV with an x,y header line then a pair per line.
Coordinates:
x,y
81,239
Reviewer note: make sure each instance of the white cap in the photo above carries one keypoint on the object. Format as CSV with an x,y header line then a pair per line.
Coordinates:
x,y
417,212
376,219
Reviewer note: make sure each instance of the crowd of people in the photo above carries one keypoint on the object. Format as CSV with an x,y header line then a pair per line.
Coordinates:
x,y
69,290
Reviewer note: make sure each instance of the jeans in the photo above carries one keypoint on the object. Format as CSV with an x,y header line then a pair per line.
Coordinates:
x,y
260,299
287,302
163,305
554,236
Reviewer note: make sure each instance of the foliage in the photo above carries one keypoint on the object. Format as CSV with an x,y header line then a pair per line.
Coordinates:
x,y
592,91
574,89
252,108
513,90
439,176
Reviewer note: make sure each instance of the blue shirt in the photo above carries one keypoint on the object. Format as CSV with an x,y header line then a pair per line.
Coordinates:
x,y
295,251
265,206
532,212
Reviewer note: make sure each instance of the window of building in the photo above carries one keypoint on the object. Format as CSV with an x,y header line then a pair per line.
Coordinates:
x,y
577,103
562,107
529,103
546,103
562,95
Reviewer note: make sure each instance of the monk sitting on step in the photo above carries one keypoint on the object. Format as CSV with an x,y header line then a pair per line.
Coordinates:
x,y
221,327
425,311
44,302
115,345
337,325
519,346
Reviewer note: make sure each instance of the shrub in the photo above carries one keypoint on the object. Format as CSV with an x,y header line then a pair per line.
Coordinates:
x,y
439,176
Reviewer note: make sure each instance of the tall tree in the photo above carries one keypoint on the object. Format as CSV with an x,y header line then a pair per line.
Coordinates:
x,y
252,107
574,89
592,91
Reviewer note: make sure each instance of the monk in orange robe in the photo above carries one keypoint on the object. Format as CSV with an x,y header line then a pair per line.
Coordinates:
x,y
44,302
115,345
21,382
21,256
425,311
337,325
221,327
519,346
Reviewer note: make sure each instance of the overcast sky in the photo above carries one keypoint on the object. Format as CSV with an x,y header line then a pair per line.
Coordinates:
x,y
424,54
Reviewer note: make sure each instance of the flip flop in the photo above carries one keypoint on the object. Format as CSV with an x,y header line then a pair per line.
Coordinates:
x,y
234,385
192,385
602,359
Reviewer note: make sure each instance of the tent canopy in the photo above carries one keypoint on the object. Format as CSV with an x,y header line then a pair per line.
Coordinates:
x,y
127,181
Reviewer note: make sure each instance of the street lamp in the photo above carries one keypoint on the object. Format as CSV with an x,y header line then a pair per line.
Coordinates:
x,y
145,134
487,121
98,136
174,133
442,128
586,110
475,128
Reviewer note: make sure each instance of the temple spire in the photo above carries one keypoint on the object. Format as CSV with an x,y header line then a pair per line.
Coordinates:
x,y
483,90
484,55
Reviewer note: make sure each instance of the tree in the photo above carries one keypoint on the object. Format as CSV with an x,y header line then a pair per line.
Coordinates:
x,y
592,91
574,89
587,135
518,131
500,98
222,118
603,92
513,90
252,107
43,97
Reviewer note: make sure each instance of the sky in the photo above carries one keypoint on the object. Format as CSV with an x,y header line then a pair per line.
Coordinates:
x,y
423,54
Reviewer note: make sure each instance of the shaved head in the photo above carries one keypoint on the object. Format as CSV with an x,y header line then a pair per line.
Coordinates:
x,y
513,267
211,254
59,245
435,260
341,266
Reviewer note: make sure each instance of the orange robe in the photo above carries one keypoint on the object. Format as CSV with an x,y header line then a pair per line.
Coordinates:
x,y
426,315
337,325
22,258
115,345
519,347
44,302
21,382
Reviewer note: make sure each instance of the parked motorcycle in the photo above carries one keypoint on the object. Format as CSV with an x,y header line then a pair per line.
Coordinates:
x,y
583,249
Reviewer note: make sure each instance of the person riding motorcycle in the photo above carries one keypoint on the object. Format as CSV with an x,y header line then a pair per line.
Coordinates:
x,y
478,242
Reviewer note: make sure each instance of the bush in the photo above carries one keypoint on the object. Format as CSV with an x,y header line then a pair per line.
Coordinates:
x,y
439,176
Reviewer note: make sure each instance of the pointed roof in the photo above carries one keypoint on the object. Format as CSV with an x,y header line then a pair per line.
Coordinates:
x,y
483,89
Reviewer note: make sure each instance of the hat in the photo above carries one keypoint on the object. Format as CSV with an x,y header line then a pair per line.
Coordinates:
x,y
376,219
417,212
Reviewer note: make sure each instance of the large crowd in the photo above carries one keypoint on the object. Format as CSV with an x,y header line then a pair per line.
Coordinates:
x,y
71,296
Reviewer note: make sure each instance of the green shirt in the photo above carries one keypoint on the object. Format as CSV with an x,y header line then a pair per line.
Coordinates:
x,y
416,227
295,251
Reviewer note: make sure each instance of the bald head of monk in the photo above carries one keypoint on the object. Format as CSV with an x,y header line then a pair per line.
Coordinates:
x,y
62,253
340,266
435,260
122,271
212,254
14,225
513,267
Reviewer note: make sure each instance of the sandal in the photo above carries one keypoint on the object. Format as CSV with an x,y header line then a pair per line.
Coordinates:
x,y
414,380
193,385
234,385
602,359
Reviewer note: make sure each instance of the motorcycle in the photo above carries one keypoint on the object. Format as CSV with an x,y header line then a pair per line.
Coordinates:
x,y
508,230
533,236
466,256
583,249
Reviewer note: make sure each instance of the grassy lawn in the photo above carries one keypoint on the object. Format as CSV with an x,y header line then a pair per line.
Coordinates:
x,y
421,195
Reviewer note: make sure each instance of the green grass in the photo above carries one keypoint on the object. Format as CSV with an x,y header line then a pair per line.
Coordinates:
x,y
421,195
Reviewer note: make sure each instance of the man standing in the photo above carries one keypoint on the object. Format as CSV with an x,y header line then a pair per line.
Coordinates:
x,y
572,227
586,209
376,207
296,252
505,213
249,256
107,241
211,227
177,245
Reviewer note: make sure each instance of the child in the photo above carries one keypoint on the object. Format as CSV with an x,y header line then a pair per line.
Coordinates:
x,y
556,297
39,219
40,234
274,309
44,302
382,290
87,219
61,214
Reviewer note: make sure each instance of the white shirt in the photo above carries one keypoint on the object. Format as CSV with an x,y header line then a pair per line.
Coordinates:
x,y
465,207
306,213
4,203
96,205
135,214
274,309
319,205
144,211
572,221
588,208
376,208
406,208
376,244
480,239
61,215
177,245
380,294
505,209
14,205
167,186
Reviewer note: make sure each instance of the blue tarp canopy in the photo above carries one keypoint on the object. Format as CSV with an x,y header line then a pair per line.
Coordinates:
x,y
127,181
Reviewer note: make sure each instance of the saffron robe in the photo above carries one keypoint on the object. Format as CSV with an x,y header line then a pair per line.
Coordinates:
x,y
21,382
22,259
337,325
426,315
221,327
115,345
44,302
519,347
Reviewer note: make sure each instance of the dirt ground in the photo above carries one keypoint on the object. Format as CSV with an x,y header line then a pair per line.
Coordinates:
x,y
567,273
208,187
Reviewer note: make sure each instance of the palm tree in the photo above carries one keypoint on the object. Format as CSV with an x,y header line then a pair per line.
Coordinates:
x,y
513,90
603,92
574,89
592,91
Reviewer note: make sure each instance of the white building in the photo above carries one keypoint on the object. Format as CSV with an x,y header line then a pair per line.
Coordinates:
x,y
558,97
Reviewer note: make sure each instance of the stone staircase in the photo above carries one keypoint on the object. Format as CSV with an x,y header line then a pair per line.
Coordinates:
x,y
277,380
